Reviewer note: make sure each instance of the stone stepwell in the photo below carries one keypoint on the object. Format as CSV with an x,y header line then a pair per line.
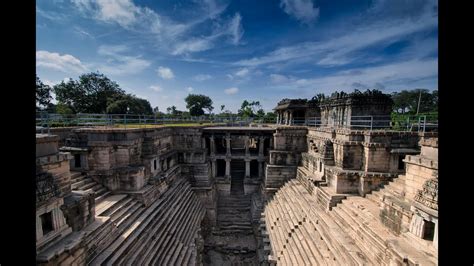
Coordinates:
x,y
125,232
304,232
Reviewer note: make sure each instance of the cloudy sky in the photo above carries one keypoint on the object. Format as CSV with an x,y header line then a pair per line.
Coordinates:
x,y
236,50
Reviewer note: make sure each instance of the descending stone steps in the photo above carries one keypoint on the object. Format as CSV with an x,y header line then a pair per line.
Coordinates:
x,y
162,233
83,182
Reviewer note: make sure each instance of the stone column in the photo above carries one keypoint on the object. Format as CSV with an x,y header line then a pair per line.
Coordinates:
x,y
279,117
247,168
213,168
260,146
435,237
260,169
227,138
247,140
39,229
227,168
213,145
290,120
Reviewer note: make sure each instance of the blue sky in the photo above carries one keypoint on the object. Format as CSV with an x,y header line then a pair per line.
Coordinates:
x,y
236,50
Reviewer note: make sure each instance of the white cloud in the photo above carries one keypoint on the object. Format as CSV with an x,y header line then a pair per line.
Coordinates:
x,y
344,48
399,75
176,38
156,88
123,12
118,63
302,10
165,73
231,91
65,63
242,72
278,79
192,45
202,77
235,28
189,89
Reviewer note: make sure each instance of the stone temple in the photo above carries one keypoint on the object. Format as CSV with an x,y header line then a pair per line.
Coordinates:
x,y
282,194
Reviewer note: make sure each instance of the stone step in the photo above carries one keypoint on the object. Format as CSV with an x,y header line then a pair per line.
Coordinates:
x,y
113,252
102,196
91,183
116,210
81,183
108,203
169,213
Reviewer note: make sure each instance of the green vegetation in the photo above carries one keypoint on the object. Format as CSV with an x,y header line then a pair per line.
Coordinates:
x,y
92,93
197,102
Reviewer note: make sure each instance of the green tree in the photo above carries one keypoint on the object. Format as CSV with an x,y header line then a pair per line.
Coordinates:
x,y
406,101
43,94
248,109
92,93
197,102
63,109
222,107
130,104
172,110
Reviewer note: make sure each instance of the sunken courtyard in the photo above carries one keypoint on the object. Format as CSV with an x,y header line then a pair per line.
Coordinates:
x,y
289,193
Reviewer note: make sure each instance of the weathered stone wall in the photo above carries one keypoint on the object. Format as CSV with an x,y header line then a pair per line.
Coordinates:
x,y
418,171
79,209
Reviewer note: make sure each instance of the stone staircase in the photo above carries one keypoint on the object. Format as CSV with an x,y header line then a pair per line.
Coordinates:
x,y
237,172
234,215
302,231
163,233
299,237
83,182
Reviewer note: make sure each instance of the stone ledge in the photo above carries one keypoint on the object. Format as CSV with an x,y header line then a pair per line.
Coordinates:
x,y
57,158
418,160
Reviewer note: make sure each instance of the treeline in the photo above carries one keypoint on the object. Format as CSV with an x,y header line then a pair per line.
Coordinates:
x,y
415,101
92,93
96,93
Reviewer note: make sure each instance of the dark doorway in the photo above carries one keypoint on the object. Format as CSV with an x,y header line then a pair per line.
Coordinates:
x,y
208,146
254,168
46,222
401,164
237,173
220,167
221,145
266,146
77,160
428,230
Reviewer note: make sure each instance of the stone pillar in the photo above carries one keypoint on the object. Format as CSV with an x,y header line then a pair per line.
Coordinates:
x,y
290,120
39,228
227,168
213,168
247,140
213,145
260,146
260,169
227,138
247,168
435,237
